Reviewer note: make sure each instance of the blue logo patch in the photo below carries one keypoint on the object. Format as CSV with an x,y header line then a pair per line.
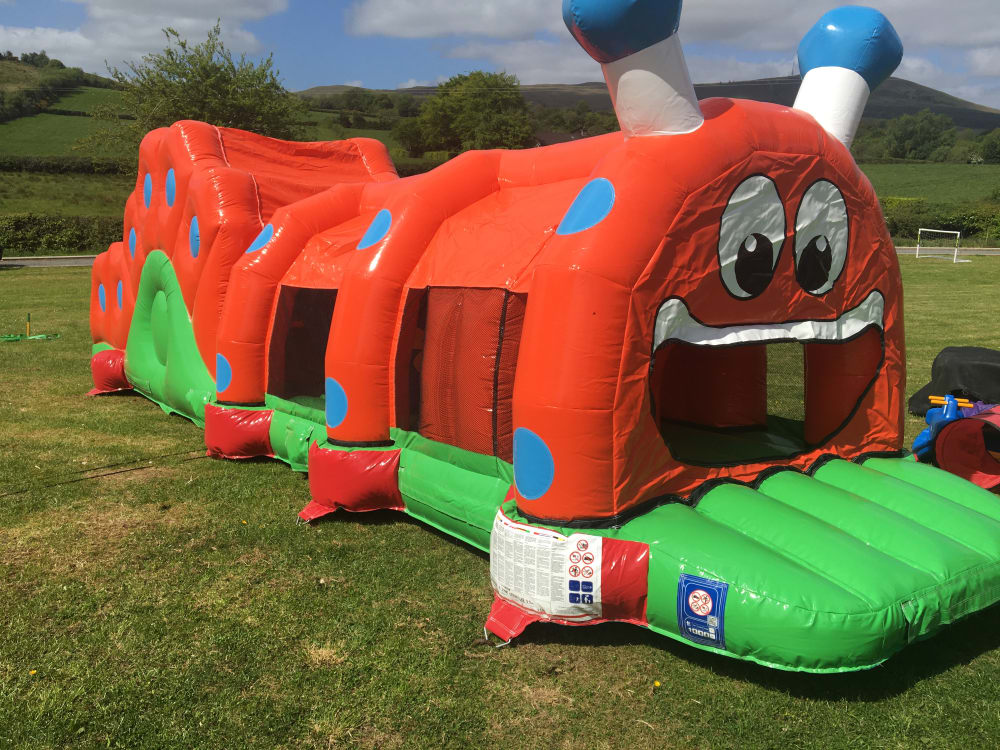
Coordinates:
x,y
701,610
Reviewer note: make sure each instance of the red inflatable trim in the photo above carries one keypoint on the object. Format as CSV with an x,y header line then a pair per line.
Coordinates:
x,y
507,620
358,481
961,449
624,580
108,371
237,433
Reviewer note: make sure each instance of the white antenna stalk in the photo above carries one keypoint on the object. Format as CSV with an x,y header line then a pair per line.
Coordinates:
x,y
652,91
836,98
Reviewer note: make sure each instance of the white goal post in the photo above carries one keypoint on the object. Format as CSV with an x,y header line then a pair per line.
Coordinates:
x,y
929,232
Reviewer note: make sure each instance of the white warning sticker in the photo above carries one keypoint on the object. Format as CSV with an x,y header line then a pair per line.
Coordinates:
x,y
545,572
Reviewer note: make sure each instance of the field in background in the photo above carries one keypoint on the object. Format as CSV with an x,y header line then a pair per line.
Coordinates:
x,y
153,597
951,186
64,194
938,183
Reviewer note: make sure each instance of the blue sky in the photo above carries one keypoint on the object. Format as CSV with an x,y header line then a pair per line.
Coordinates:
x,y
953,46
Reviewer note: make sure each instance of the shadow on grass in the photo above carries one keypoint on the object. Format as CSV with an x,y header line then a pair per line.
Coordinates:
x,y
11,266
958,644
387,517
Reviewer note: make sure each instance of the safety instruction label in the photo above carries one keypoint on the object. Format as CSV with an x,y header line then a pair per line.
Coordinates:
x,y
701,610
545,572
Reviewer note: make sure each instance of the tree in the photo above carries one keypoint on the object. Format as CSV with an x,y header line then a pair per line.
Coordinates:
x,y
477,110
406,105
990,147
410,135
35,59
196,82
918,136
357,99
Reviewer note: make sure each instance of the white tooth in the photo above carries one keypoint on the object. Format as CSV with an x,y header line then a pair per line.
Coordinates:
x,y
674,321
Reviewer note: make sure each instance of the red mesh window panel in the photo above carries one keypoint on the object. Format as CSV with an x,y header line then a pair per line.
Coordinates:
x,y
298,341
467,373
511,326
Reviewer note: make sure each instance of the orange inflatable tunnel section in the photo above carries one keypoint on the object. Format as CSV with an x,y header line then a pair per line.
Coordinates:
x,y
202,195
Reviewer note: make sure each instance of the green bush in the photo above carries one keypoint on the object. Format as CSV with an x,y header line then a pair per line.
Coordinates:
x,y
65,165
416,166
39,234
904,216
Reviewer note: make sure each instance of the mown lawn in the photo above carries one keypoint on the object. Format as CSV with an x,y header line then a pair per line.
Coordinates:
x,y
937,183
45,134
87,98
64,194
153,597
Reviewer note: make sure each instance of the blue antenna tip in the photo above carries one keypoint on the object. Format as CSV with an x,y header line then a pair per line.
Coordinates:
x,y
853,37
612,29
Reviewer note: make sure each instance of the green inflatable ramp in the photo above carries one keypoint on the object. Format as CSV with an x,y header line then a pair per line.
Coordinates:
x,y
829,572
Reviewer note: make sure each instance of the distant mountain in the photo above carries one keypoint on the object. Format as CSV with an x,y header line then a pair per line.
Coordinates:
x,y
893,98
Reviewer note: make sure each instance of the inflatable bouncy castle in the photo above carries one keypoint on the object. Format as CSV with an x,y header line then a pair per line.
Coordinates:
x,y
657,374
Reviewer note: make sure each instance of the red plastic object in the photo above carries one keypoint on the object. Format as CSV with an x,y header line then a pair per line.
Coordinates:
x,y
508,621
961,449
624,576
237,433
356,481
108,370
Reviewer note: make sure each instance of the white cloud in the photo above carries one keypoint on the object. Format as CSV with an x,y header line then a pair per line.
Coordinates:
x,y
947,43
120,30
985,61
414,82
501,19
353,84
536,60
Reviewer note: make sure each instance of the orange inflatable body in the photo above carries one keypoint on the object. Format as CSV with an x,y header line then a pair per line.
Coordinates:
x,y
591,311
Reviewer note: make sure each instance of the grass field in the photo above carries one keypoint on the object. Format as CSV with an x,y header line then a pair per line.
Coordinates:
x,y
45,135
153,597
65,194
86,99
937,183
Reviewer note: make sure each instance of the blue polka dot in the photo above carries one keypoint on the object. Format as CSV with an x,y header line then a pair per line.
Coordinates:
x,y
589,208
534,468
262,239
147,189
120,290
223,373
171,187
336,403
131,242
377,230
194,237
102,297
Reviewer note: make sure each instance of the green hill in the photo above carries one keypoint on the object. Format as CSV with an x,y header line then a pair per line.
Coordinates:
x,y
16,75
895,97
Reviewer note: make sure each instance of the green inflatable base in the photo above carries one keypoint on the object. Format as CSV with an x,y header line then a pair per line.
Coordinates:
x,y
829,572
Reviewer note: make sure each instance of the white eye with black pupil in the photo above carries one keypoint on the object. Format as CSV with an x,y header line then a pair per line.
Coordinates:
x,y
751,236
821,238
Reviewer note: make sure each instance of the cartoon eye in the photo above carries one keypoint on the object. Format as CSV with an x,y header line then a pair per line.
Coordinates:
x,y
821,238
751,236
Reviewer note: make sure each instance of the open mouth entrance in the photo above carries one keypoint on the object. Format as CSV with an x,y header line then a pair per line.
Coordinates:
x,y
742,394
297,349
